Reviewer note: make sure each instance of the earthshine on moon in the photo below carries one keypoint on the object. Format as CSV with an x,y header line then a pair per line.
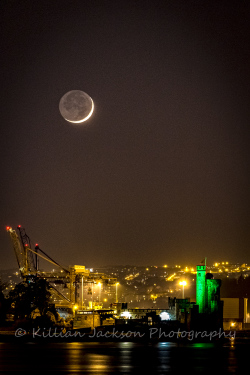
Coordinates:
x,y
76,106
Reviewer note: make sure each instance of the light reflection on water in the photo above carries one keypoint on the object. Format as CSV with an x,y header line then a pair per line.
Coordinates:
x,y
123,357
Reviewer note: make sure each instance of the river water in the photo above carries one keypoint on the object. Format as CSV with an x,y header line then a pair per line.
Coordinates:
x,y
124,357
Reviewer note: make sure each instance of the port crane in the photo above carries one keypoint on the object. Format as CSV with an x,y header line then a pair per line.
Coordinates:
x,y
28,263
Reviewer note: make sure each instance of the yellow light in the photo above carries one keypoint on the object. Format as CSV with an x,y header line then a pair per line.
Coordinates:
x,y
75,307
105,299
170,277
165,266
184,283
232,324
216,264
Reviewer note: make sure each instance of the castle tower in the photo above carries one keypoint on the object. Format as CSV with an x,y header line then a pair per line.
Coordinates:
x,y
201,287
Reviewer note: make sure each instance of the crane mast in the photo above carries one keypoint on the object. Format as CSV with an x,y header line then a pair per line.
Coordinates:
x,y
30,262
21,252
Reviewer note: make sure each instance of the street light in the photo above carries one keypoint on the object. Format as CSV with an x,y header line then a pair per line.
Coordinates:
x,y
183,283
116,285
100,288
75,307
82,292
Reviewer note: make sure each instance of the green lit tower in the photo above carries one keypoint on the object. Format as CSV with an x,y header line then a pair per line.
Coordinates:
x,y
201,287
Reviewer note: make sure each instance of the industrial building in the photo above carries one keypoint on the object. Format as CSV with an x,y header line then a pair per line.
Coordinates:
x,y
235,313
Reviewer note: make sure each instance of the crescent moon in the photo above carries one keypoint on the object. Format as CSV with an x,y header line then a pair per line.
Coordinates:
x,y
76,106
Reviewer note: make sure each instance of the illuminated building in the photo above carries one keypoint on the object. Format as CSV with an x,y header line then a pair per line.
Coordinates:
x,y
213,294
201,287
207,291
208,297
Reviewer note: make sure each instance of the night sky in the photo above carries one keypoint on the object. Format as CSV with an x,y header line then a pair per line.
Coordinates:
x,y
160,173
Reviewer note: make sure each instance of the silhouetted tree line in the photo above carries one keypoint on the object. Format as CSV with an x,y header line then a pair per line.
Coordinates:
x,y
29,296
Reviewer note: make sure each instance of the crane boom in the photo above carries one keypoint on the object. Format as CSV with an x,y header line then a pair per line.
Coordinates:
x,y
21,253
49,259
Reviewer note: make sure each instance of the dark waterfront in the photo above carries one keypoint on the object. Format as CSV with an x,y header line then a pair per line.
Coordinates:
x,y
124,357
